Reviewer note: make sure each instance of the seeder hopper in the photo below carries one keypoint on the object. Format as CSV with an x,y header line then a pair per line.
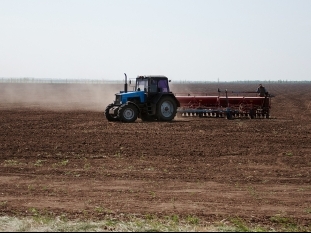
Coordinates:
x,y
204,105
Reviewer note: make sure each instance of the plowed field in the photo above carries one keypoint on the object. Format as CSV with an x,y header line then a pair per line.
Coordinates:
x,y
60,156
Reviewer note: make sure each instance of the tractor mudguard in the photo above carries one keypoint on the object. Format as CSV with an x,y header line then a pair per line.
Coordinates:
x,y
156,99
131,102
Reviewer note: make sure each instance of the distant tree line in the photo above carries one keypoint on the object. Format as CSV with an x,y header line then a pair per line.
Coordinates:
x,y
105,81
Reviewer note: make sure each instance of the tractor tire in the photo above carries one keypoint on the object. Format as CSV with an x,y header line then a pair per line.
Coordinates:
x,y
109,116
128,113
166,109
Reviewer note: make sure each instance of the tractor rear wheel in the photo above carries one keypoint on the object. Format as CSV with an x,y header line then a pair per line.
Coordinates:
x,y
109,116
128,113
166,109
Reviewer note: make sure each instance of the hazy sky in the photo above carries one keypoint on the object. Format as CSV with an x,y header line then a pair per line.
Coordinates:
x,y
194,40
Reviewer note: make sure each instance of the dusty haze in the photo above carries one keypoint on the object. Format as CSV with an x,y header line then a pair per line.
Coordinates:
x,y
94,97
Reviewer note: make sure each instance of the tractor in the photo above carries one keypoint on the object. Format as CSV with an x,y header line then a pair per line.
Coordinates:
x,y
150,100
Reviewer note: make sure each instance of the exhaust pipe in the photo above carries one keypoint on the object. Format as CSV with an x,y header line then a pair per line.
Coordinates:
x,y
125,84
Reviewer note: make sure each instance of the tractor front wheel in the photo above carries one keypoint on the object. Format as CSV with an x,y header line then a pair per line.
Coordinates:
x,y
109,116
128,113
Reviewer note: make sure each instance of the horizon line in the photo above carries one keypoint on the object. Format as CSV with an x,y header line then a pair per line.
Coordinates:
x,y
97,81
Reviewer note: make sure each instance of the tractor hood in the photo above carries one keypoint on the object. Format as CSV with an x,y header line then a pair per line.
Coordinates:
x,y
123,97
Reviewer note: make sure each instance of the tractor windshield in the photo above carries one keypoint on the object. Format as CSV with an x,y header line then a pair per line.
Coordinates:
x,y
141,84
163,85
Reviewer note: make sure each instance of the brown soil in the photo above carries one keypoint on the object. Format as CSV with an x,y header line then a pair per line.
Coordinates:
x,y
60,156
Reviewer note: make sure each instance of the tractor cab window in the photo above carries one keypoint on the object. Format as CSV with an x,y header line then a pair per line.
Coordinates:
x,y
153,85
141,85
163,85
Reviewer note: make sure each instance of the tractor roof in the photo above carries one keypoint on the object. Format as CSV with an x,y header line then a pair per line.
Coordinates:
x,y
151,76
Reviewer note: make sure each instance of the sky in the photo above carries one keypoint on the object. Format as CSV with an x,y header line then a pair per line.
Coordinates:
x,y
188,40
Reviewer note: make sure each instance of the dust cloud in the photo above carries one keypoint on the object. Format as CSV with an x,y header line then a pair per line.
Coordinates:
x,y
92,97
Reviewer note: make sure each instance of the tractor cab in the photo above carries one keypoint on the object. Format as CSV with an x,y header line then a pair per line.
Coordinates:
x,y
152,84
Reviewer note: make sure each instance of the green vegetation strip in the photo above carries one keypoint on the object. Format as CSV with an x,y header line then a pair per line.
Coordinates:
x,y
170,224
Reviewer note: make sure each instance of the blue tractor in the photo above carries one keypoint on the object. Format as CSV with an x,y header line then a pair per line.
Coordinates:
x,y
150,100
